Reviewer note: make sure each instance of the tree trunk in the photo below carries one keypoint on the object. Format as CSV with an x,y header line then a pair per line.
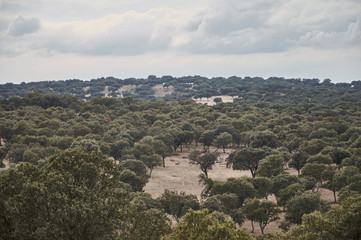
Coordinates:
x,y
224,150
334,196
262,228
252,226
163,161
253,173
151,170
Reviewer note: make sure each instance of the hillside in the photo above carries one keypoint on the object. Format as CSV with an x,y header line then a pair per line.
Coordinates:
x,y
121,167
243,90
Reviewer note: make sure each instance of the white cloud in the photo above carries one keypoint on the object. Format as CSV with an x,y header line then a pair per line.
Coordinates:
x,y
219,32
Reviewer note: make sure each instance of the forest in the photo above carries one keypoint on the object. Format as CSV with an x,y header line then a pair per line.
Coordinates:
x,y
77,155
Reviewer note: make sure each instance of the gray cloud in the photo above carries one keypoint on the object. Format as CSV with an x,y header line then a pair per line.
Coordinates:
x,y
220,27
22,26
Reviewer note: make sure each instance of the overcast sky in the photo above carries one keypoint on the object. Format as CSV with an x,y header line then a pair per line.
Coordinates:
x,y
86,39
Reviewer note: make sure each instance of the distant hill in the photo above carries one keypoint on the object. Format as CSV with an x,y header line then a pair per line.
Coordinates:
x,y
243,90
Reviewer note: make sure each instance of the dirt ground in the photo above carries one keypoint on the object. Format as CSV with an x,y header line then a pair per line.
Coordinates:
x,y
160,91
179,175
210,102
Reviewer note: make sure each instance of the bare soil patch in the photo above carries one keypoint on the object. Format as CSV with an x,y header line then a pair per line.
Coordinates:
x,y
126,88
179,175
161,91
210,102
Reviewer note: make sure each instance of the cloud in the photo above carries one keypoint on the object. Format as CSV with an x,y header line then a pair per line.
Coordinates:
x,y
22,26
213,27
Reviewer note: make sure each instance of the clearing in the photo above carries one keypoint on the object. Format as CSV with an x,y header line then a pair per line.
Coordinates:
x,y
179,175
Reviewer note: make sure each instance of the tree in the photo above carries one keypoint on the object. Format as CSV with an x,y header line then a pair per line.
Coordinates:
x,y
338,154
264,138
270,166
282,181
223,140
151,161
289,192
336,180
298,161
162,150
205,161
118,147
207,138
144,223
314,226
304,204
246,159
341,222
136,182
225,203
320,158
262,212
202,225
314,170
346,219
239,186
177,204
87,145
217,100
82,200
263,186
145,153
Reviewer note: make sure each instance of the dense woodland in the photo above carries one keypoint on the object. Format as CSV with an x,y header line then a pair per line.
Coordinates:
x,y
78,165
246,90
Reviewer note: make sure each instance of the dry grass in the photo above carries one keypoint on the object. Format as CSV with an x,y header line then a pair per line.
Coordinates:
x,y
179,175
160,91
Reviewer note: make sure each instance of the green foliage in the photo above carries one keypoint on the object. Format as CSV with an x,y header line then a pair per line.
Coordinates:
x,y
223,140
202,225
270,166
205,161
246,159
264,139
34,127
314,170
341,222
177,204
304,204
263,186
144,223
262,212
238,186
82,198
282,181
289,192
298,160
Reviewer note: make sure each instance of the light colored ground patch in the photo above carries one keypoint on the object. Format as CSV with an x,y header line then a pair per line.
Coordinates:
x,y
161,91
180,175
7,165
106,91
86,88
210,102
126,88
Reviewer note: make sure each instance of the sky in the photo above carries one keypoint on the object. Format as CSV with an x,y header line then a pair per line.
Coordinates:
x,y
86,39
